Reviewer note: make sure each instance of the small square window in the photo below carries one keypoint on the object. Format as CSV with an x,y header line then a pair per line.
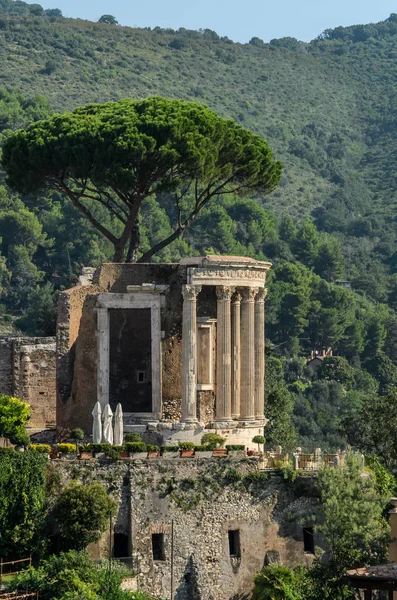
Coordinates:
x,y
158,546
234,543
308,540
141,376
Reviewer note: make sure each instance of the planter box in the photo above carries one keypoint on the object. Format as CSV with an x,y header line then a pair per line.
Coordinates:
x,y
236,454
138,455
124,454
153,454
204,454
85,455
187,453
170,455
219,452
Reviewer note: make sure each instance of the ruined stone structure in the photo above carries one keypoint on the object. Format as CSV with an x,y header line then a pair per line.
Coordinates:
x,y
208,539
28,371
180,346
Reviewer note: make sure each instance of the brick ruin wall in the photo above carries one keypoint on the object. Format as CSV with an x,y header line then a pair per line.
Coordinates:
x,y
28,371
267,515
77,339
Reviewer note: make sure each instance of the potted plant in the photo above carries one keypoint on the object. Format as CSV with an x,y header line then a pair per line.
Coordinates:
x,y
136,449
133,436
99,450
250,452
153,451
202,451
259,439
214,442
67,450
42,448
186,449
77,435
85,451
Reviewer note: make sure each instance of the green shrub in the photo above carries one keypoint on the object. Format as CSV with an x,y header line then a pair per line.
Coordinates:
x,y
66,448
44,448
233,475
186,445
133,437
135,447
201,448
169,449
6,449
7,318
102,447
233,447
212,440
152,448
77,434
257,476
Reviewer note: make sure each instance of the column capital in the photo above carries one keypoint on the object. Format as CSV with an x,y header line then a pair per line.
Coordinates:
x,y
261,295
236,298
224,292
190,292
248,293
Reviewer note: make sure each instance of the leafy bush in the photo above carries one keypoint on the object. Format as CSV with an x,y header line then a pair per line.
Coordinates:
x,y
133,437
77,434
13,415
136,447
82,513
257,476
44,448
212,440
165,449
152,448
280,583
66,448
233,447
100,447
186,445
7,450
200,448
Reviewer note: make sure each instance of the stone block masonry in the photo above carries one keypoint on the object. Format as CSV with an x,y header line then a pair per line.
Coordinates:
x,y
28,371
222,531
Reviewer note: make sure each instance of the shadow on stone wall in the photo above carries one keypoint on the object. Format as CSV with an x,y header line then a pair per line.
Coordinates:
x,y
188,587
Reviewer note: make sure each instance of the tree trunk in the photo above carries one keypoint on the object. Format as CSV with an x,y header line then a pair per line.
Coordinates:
x,y
135,239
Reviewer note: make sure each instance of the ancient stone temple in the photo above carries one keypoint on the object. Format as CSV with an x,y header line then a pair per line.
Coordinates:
x,y
180,346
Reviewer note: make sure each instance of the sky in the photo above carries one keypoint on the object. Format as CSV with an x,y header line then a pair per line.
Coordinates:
x,y
240,20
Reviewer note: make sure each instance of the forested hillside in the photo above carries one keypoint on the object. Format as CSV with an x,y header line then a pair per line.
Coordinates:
x,y
326,108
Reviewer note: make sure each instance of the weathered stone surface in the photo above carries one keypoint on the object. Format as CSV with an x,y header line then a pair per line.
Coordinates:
x,y
202,565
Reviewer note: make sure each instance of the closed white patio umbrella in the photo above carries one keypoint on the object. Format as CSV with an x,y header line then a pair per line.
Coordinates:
x,y
107,424
118,426
97,424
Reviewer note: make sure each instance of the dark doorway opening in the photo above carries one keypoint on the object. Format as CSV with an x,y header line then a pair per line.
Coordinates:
x,y
158,546
234,543
130,359
308,540
120,545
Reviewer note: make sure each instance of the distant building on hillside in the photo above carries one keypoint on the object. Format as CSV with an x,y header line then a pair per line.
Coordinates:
x,y
316,358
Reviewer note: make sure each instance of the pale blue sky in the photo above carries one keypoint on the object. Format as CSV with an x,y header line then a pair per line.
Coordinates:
x,y
238,19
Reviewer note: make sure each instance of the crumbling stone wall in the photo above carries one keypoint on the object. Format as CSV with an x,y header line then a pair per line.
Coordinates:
x,y
28,371
193,502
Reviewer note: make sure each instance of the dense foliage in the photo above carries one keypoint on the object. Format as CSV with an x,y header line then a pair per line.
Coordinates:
x,y
349,515
13,415
112,157
83,513
74,576
22,503
326,109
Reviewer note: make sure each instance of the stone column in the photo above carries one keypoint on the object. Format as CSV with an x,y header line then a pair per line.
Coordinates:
x,y
236,355
223,354
247,404
189,353
260,353
103,356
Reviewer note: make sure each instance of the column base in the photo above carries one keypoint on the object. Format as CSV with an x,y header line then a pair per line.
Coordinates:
x,y
223,424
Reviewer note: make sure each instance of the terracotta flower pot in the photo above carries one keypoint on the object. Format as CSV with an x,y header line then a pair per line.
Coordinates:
x,y
187,453
219,452
85,455
152,454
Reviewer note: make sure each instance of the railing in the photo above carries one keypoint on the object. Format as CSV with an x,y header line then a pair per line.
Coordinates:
x,y
303,462
6,573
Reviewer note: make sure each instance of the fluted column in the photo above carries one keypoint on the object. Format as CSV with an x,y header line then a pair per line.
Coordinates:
x,y
236,355
247,404
223,354
260,353
189,353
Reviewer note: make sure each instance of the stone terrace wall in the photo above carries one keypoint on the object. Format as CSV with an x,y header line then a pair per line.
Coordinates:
x,y
27,371
205,506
